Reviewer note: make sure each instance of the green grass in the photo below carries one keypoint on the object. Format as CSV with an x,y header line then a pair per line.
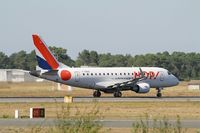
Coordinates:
x,y
69,120
113,110
159,126
49,89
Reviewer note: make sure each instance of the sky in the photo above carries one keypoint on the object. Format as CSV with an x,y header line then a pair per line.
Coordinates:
x,y
115,26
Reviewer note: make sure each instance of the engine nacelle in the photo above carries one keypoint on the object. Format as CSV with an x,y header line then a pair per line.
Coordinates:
x,y
64,74
141,88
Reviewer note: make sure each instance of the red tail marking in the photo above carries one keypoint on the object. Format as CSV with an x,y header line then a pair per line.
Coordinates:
x,y
45,52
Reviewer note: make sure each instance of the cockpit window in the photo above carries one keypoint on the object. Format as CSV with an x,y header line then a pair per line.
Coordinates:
x,y
169,73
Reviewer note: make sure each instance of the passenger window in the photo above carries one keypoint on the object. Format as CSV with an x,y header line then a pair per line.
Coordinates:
x,y
111,73
95,73
91,73
120,73
128,73
87,73
124,73
107,73
83,74
115,73
103,73
99,73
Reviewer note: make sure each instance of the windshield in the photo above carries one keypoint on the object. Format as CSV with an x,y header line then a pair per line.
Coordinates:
x,y
169,73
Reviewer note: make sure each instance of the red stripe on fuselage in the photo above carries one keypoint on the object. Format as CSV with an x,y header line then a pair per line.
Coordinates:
x,y
45,52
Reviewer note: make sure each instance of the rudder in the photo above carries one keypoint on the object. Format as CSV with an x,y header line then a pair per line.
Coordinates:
x,y
45,58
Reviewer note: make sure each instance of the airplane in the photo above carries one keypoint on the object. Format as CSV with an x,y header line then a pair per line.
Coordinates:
x,y
101,79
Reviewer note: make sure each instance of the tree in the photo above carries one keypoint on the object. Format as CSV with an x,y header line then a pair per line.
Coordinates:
x,y
83,58
106,60
87,58
185,66
4,61
61,55
94,58
18,60
31,59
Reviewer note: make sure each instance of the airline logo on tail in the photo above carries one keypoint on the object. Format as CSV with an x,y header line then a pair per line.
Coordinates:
x,y
44,57
47,61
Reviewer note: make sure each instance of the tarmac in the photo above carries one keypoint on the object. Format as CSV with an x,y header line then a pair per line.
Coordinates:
x,y
105,123
101,99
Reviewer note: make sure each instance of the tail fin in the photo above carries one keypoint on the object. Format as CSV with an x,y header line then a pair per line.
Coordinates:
x,y
45,58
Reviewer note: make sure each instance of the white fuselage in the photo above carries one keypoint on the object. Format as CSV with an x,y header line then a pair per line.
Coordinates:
x,y
102,77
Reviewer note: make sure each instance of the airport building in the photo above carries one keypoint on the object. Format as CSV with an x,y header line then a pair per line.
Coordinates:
x,y
17,75
194,85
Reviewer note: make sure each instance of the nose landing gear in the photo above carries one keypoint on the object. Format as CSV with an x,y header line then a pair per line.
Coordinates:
x,y
159,94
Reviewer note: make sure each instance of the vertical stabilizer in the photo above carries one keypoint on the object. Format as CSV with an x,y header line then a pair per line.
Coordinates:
x,y
45,58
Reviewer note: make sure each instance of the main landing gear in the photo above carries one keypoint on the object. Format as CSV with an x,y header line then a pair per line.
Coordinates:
x,y
159,94
117,94
97,93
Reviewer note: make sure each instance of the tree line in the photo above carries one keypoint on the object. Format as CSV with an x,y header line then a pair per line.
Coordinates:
x,y
185,66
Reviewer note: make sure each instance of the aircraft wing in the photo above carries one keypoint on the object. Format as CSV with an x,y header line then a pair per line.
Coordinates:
x,y
105,84
129,83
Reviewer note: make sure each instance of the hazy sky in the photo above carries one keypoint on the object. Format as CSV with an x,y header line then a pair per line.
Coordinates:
x,y
116,26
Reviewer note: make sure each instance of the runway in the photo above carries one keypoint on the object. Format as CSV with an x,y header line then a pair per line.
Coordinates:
x,y
102,99
105,123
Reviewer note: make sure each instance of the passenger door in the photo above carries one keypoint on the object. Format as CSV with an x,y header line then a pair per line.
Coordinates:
x,y
162,76
77,76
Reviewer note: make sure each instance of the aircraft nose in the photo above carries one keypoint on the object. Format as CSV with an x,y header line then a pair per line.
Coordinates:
x,y
175,80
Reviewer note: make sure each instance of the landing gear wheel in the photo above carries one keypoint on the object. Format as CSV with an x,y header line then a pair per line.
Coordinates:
x,y
159,94
96,94
117,94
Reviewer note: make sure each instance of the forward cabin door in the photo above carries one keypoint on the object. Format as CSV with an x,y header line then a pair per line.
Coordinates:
x,y
77,76
162,76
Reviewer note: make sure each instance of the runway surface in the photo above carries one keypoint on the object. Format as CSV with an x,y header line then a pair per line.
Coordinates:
x,y
105,123
102,99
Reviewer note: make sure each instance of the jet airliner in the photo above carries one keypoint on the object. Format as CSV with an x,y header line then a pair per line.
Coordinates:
x,y
101,79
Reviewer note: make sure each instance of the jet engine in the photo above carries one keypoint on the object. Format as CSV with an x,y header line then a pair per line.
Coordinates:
x,y
141,88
